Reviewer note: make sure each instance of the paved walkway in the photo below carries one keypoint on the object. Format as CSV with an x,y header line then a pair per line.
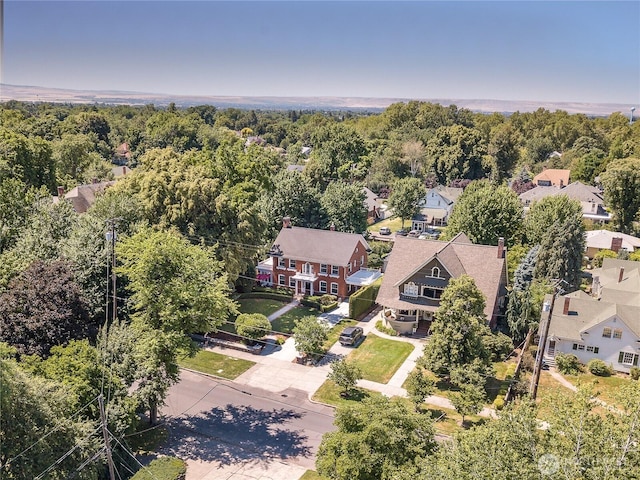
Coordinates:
x,y
289,306
563,381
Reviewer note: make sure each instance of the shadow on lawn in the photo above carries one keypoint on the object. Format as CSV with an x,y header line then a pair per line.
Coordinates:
x,y
236,434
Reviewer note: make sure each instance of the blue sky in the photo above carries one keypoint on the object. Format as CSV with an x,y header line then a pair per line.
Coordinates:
x,y
540,51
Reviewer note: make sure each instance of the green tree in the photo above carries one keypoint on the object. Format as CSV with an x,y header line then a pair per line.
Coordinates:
x,y
504,150
485,212
621,181
26,159
456,152
469,400
413,155
309,336
419,386
458,327
373,439
345,375
344,206
561,252
16,200
176,289
544,213
406,194
253,326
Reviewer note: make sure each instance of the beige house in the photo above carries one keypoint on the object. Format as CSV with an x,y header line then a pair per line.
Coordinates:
x,y
418,271
597,240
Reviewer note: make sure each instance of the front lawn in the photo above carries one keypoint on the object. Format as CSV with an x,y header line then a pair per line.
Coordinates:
x,y
329,393
379,358
216,364
286,322
264,306
606,386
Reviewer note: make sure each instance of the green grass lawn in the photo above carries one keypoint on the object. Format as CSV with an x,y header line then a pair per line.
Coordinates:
x,y
394,223
329,393
217,364
312,475
379,358
606,386
286,322
448,422
264,306
336,330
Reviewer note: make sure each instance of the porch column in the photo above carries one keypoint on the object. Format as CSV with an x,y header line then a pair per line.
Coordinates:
x,y
311,284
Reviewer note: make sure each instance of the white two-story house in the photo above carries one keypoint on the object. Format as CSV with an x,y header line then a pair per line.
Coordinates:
x,y
435,207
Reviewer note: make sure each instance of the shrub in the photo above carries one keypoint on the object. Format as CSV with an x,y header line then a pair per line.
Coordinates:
x,y
568,363
599,368
635,373
389,331
498,344
254,326
364,299
528,361
498,403
328,299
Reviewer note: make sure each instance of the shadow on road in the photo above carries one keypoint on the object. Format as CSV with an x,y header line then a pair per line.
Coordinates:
x,y
235,434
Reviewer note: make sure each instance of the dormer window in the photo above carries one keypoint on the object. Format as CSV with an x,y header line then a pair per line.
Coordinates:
x,y
411,289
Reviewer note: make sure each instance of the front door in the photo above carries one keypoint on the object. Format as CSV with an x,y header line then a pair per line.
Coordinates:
x,y
552,348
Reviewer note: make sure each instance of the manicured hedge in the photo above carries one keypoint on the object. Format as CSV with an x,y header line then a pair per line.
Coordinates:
x,y
364,300
267,295
163,468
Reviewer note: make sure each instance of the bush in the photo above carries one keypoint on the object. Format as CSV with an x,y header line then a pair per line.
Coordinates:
x,y
283,297
389,331
163,468
568,363
254,326
634,373
329,307
498,344
599,368
528,361
498,403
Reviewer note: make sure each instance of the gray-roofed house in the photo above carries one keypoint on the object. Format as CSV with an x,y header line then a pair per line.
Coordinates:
x,y
373,204
435,207
418,271
597,240
315,262
605,324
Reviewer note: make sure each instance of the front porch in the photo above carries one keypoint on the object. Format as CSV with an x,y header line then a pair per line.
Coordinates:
x,y
407,322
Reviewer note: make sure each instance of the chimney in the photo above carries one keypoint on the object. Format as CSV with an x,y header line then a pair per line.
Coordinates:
x,y
565,309
286,222
501,247
621,274
616,244
60,192
332,227
595,287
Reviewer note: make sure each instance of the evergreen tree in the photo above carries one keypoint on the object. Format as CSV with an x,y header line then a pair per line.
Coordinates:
x,y
561,252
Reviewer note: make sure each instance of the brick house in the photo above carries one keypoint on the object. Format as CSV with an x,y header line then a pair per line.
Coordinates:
x,y
418,271
315,262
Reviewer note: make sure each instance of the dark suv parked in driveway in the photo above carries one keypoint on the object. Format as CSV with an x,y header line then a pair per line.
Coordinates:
x,y
351,336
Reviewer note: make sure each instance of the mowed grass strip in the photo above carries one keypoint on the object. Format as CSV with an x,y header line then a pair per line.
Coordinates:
x,y
286,322
329,393
379,358
216,364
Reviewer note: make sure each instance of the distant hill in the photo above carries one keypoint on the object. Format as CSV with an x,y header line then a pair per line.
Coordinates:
x,y
110,97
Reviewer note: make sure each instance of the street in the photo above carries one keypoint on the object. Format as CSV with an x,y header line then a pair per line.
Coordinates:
x,y
229,431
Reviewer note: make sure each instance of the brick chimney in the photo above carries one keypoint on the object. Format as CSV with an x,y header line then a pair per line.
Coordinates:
x,y
332,227
501,247
60,192
616,244
286,222
621,274
565,309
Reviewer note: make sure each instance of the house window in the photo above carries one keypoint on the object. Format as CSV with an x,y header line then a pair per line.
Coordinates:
x,y
349,268
592,349
334,288
281,262
580,346
335,270
575,346
323,268
434,293
292,282
280,279
307,269
323,286
435,272
292,263
606,332
617,333
361,260
628,358
411,289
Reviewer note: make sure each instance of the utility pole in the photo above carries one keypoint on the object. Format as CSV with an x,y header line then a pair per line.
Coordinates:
x,y
542,342
105,434
111,237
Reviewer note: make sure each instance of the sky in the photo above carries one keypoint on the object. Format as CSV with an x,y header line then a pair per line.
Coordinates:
x,y
568,51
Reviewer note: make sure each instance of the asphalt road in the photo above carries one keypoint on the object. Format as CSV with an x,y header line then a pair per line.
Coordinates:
x,y
222,429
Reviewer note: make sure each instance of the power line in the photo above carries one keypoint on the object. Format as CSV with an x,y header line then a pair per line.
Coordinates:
x,y
132,455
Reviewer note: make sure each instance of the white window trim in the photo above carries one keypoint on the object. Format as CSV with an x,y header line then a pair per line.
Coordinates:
x,y
281,279
324,269
411,289
334,291
322,287
281,263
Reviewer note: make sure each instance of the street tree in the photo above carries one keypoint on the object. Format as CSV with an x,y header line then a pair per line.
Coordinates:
x,y
345,374
621,181
457,329
309,336
373,439
344,205
485,212
469,400
419,386
404,198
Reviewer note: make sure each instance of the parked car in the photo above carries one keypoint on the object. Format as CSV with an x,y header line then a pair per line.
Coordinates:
x,y
350,336
414,233
430,234
402,232
385,231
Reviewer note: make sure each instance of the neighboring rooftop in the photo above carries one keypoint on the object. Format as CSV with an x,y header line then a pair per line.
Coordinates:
x,y
576,191
602,239
552,177
83,196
